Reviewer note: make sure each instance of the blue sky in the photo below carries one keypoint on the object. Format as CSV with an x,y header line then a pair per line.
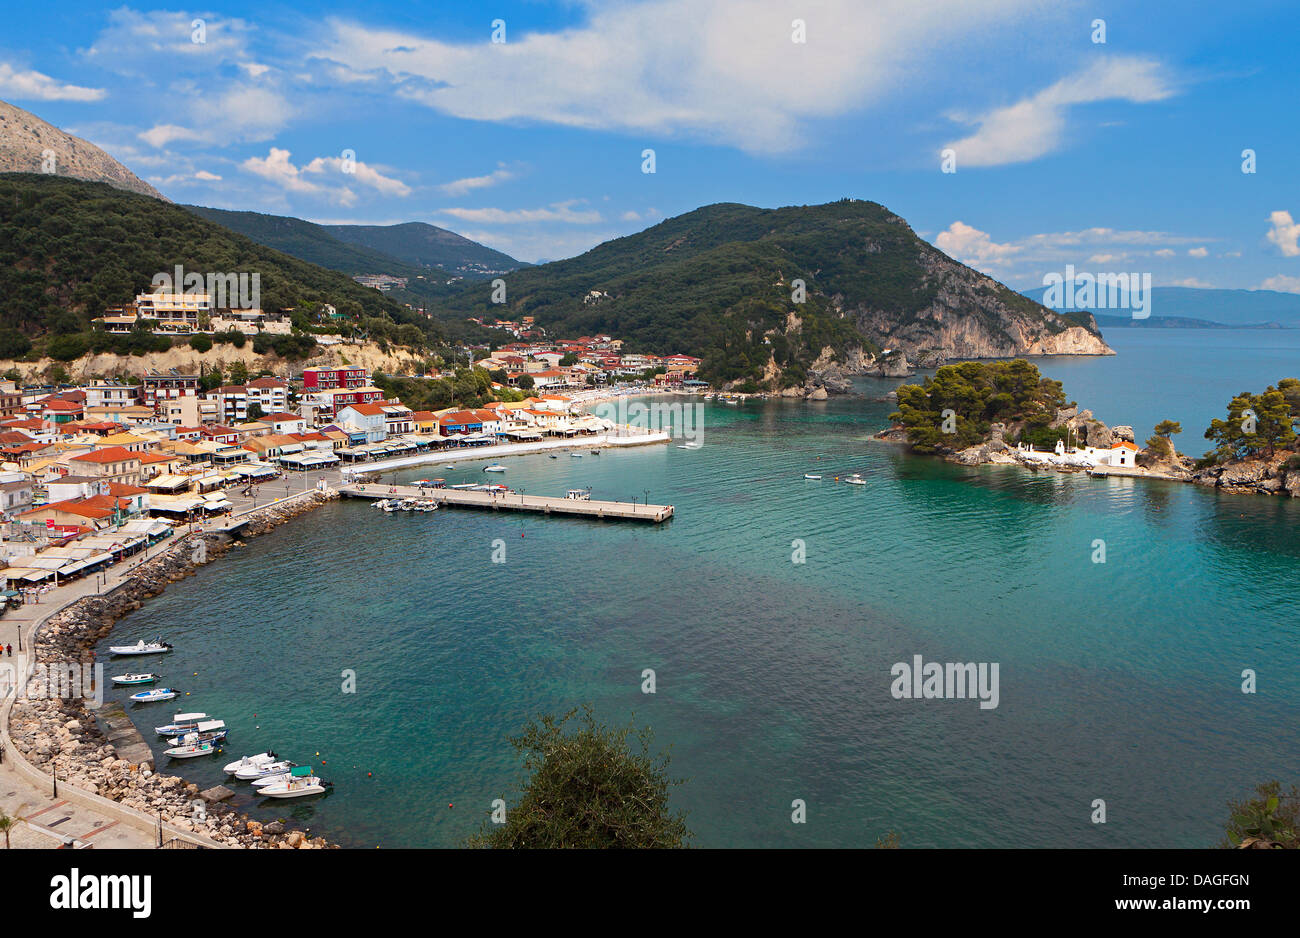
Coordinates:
x,y
1117,156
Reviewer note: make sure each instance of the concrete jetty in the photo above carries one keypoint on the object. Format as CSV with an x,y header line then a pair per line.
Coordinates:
x,y
513,501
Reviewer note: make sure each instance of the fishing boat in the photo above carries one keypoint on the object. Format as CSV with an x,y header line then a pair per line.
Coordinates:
x,y
262,758
181,723
494,468
391,505
595,452
812,475
250,772
158,693
382,503
271,780
576,455
156,647
300,783
192,750
135,678
855,479
554,455
209,731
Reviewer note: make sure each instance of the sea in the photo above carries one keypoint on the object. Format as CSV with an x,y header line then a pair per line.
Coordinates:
x,y
1137,694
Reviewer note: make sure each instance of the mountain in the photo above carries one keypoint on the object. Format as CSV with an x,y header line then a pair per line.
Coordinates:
x,y
70,248
718,282
312,243
425,245
25,140
1203,308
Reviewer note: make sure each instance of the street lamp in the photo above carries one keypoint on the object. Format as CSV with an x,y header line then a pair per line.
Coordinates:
x,y
647,496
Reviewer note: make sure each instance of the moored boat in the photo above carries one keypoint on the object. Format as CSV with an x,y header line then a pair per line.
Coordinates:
x,y
855,479
181,723
210,731
135,678
300,783
250,772
156,647
262,758
192,750
494,468
158,693
811,475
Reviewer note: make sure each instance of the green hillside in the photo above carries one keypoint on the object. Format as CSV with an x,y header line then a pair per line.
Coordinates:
x,y
70,248
424,245
716,282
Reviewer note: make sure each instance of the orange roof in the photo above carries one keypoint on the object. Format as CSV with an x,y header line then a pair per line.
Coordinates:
x,y
155,457
366,410
110,454
1124,444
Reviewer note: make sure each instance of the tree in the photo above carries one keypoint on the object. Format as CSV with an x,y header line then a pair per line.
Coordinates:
x,y
1257,424
201,343
254,411
238,372
1160,443
7,824
587,788
526,382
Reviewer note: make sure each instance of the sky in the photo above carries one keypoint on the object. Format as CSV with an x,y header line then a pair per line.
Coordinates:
x,y
1016,136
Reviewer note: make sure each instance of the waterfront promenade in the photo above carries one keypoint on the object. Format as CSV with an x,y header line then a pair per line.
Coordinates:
x,y
515,501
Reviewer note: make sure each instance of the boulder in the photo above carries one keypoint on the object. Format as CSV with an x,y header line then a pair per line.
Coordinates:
x,y
1123,433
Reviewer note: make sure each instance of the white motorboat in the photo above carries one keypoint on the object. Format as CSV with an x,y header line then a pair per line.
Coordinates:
x,y
158,693
156,647
494,468
192,750
135,678
554,455
576,455
262,758
210,731
855,479
250,772
382,503
181,723
810,475
300,783
283,777
694,444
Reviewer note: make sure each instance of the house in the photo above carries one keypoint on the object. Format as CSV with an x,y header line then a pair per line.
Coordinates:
x,y
270,394
114,464
398,418
369,420
159,387
470,422
111,394
284,422
15,496
346,376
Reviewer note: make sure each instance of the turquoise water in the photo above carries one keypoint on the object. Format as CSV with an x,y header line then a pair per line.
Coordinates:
x,y
1118,681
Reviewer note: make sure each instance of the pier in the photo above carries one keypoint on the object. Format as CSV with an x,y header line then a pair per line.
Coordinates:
x,y
513,501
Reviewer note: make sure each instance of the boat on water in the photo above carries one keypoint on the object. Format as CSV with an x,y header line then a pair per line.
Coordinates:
x,y
158,693
262,758
694,444
420,482
135,678
576,455
300,783
812,475
250,772
494,468
209,731
156,647
554,455
192,750
855,479
579,495
595,452
181,723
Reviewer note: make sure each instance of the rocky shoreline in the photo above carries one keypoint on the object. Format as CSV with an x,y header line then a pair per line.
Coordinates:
x,y
64,729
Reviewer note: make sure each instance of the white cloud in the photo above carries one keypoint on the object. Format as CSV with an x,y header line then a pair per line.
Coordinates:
x,y
1191,282
361,173
973,246
1282,283
279,169
137,42
629,216
206,176
555,212
162,134
1285,233
464,186
1036,126
723,71
27,84
1107,258
1198,252
182,179
1166,252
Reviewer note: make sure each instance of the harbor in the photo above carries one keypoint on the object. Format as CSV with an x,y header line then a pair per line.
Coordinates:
x,y
514,501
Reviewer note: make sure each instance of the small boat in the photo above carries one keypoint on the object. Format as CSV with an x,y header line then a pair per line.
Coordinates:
x,y
810,475
181,723
449,466
595,452
192,750
420,482
156,647
211,731
262,758
855,479
576,455
158,693
694,444
135,678
579,495
250,772
300,783
382,503
494,468
554,455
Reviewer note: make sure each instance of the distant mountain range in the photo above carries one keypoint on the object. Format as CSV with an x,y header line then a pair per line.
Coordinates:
x,y
720,282
30,145
409,250
1200,308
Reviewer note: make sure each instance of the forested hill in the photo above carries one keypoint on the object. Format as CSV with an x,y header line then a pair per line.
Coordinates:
x,y
717,282
424,245
69,248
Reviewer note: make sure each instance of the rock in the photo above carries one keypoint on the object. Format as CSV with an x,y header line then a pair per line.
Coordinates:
x,y
817,394
275,827
1247,472
294,839
1123,433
